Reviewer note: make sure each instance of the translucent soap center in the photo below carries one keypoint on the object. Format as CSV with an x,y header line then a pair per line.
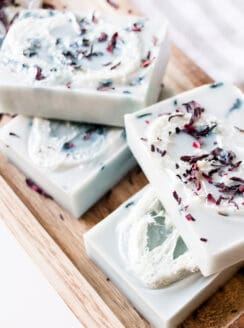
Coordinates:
x,y
151,245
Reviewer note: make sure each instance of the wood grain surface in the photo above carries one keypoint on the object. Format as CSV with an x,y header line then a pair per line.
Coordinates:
x,y
54,239
70,284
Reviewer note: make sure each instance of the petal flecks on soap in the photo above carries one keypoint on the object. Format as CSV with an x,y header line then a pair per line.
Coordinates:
x,y
189,217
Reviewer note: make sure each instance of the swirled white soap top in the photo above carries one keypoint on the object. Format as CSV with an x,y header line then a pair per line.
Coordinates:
x,y
84,67
55,48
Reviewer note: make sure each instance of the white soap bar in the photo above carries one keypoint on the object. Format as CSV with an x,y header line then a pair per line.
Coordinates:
x,y
163,308
83,67
191,148
10,10
75,163
151,246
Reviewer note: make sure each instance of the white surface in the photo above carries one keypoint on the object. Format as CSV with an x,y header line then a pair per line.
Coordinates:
x,y
211,32
71,82
225,241
79,185
26,298
163,308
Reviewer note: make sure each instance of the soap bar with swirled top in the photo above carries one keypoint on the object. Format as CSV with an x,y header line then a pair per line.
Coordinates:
x,y
84,67
191,147
138,245
74,163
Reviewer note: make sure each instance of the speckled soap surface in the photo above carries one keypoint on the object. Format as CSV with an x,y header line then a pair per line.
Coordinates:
x,y
85,67
191,148
75,163
162,307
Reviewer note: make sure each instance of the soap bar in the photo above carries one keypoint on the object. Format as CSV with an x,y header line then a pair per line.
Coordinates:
x,y
84,67
9,11
74,163
191,148
162,307
151,246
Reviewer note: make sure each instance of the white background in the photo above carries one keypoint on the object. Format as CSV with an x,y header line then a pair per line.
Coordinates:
x,y
211,32
26,298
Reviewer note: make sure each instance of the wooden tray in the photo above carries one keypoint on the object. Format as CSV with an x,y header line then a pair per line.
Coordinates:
x,y
54,239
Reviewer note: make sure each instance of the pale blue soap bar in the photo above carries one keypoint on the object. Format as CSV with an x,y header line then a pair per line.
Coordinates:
x,y
74,163
85,67
163,307
191,148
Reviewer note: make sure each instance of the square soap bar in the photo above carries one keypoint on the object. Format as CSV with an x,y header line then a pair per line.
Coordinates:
x,y
191,148
84,67
75,163
185,295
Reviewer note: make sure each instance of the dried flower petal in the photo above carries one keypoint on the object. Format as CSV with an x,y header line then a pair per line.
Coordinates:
x,y
36,188
211,198
39,75
103,37
112,43
196,144
177,197
189,217
113,4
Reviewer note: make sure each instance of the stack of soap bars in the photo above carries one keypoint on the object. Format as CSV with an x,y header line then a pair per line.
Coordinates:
x,y
69,79
89,69
181,237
